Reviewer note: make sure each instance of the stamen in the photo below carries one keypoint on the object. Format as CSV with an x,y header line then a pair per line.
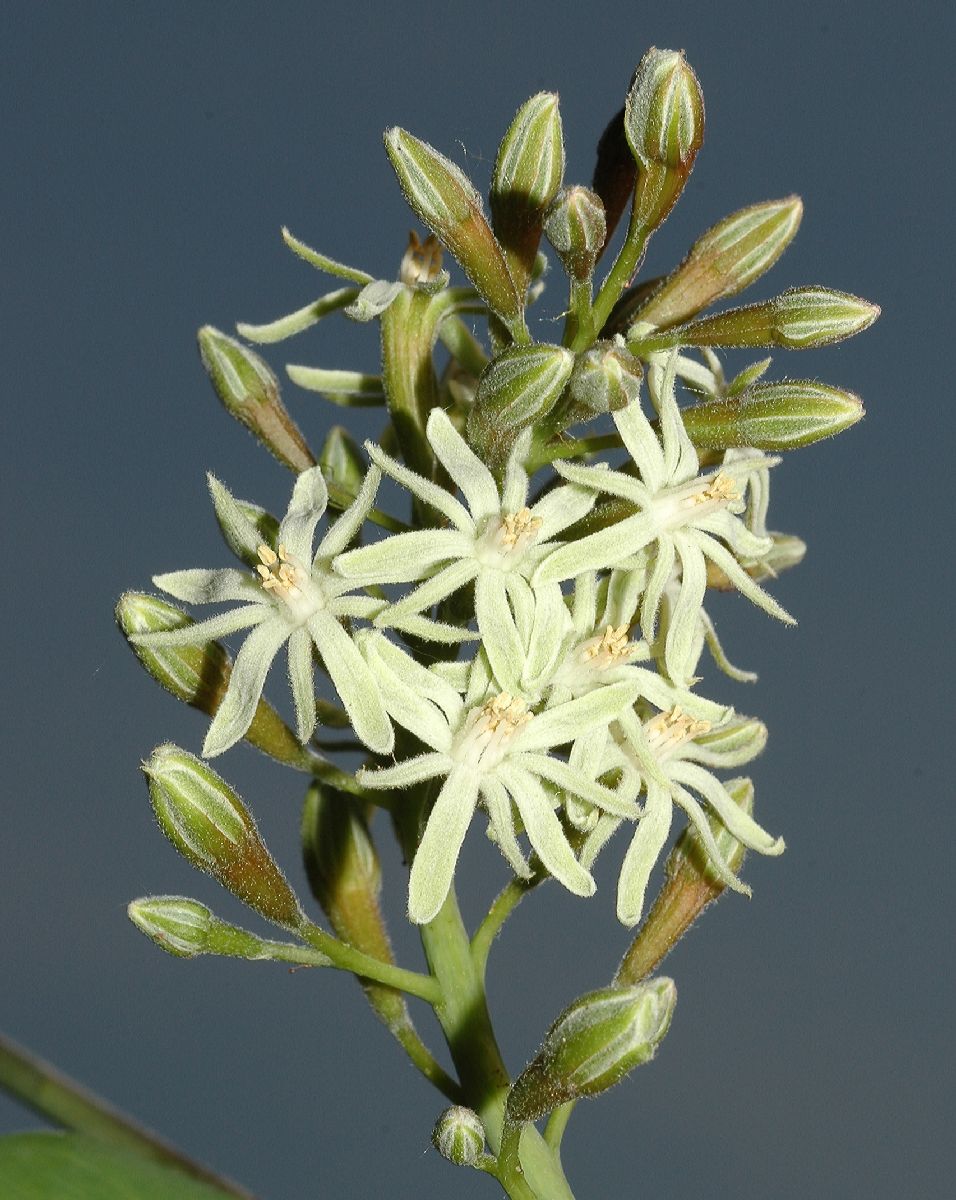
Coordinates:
x,y
672,728
519,527
505,712
278,572
722,488
421,262
610,649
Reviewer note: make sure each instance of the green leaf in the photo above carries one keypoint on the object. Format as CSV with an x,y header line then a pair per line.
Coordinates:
x,y
57,1166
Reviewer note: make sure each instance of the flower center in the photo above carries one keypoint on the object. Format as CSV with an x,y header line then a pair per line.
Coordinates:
x,y
421,262
687,504
280,573
518,529
721,488
609,650
490,728
671,729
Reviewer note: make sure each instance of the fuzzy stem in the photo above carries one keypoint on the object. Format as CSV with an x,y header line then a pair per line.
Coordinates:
x,y
347,958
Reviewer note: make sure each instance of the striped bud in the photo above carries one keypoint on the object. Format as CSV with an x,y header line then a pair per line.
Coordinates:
x,y
212,829
577,230
773,416
605,378
249,391
187,928
459,1136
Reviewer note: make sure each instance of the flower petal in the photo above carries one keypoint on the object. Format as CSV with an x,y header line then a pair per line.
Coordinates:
x,y
545,832
514,486
403,557
350,522
684,617
239,531
661,570
498,803
406,773
564,776
353,681
474,480
566,722
238,706
302,681
221,625
499,634
437,853
210,587
706,834
740,579
448,580
641,443
310,498
439,499
602,549
644,851
738,822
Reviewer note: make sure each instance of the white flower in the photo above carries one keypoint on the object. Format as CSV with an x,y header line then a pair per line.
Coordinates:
x,y
295,598
671,752
496,541
490,748
686,518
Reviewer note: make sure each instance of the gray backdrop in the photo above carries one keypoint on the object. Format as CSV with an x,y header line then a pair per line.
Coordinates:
x,y
151,153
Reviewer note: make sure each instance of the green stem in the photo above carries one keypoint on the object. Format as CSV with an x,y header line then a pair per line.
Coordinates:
x,y
501,909
62,1101
579,326
573,448
347,958
621,273
557,1123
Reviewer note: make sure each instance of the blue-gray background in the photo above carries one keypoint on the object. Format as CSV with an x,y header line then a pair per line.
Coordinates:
x,y
150,154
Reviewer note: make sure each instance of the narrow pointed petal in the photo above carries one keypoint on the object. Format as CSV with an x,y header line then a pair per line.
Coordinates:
x,y
657,581
566,722
403,557
427,629
239,531
548,633
475,482
209,587
706,834
498,803
350,522
424,489
564,776
598,550
642,444
603,479
514,487
405,774
354,683
238,707
416,679
429,593
221,625
584,604
642,854
437,853
310,497
523,604
546,834
685,615
561,507
723,558
302,681
499,634
719,655
738,822
680,458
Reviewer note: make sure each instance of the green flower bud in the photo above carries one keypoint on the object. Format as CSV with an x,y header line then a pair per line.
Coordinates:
x,y
691,884
444,198
614,171
342,463
515,391
577,230
605,379
664,126
199,674
593,1045
459,1136
187,928
725,260
343,866
800,319
250,392
773,416
527,175
212,829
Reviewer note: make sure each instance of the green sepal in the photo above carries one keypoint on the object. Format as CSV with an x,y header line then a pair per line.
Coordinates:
x,y
249,391
213,830
342,462
773,416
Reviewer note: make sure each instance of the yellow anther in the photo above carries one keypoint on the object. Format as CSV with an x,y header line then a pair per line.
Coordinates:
x,y
421,262
611,648
674,727
278,572
518,527
505,712
721,488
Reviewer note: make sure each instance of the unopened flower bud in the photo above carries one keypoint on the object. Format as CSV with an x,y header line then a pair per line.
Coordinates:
x,y
773,416
444,198
800,319
725,260
595,1042
187,928
577,229
250,392
605,378
459,1136
527,176
342,462
212,829
515,390
341,862
691,884
199,674
664,125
